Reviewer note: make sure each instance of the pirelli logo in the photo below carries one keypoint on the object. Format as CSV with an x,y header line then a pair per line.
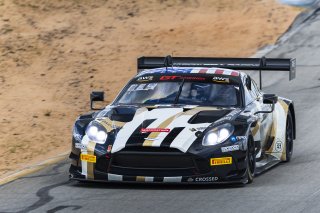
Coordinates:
x,y
220,161
88,158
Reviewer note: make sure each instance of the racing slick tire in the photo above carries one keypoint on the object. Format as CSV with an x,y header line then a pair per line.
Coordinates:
x,y
251,160
289,137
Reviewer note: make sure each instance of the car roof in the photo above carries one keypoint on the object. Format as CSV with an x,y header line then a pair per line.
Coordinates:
x,y
191,70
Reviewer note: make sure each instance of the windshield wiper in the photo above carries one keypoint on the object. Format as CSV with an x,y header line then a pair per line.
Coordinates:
x,y
179,92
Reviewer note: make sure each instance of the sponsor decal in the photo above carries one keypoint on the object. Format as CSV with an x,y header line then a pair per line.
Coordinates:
x,y
228,117
220,161
190,179
167,78
132,87
193,78
150,86
232,114
108,155
137,87
220,79
108,123
197,129
206,179
109,148
278,146
145,130
88,158
145,78
230,148
80,146
77,136
176,77
241,138
152,139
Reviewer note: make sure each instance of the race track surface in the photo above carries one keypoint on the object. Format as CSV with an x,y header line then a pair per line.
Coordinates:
x,y
292,187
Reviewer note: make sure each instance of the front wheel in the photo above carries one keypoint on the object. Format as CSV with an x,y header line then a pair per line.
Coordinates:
x,y
251,160
289,137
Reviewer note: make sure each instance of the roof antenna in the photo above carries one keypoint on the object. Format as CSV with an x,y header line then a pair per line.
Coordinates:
x,y
168,62
263,63
172,60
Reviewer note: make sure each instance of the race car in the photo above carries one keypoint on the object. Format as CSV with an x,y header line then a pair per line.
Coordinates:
x,y
186,120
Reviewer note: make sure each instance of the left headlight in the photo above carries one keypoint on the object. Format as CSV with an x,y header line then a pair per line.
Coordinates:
x,y
96,133
218,135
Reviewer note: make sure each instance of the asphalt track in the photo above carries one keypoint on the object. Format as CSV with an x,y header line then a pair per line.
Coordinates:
x,y
292,187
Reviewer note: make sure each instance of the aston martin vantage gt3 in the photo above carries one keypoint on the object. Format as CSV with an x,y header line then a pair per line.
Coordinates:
x,y
186,120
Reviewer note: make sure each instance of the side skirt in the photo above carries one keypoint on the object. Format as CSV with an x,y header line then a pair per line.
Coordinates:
x,y
265,164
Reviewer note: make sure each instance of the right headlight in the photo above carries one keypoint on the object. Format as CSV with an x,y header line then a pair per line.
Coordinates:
x,y
218,135
96,133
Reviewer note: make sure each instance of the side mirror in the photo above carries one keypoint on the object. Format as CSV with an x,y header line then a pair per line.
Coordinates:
x,y
96,96
270,98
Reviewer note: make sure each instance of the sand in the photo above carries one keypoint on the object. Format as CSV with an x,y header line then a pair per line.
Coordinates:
x,y
54,53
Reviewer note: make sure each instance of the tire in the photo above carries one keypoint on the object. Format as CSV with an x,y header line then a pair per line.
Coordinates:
x,y
289,137
251,160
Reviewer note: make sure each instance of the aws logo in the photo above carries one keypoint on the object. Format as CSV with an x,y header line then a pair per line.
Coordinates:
x,y
220,79
145,78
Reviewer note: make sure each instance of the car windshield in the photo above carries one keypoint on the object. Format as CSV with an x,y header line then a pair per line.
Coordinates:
x,y
186,93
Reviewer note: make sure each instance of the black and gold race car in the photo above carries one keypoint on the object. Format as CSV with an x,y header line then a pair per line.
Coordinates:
x,y
186,120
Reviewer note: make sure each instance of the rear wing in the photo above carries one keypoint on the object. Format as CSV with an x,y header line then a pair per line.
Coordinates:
x,y
258,64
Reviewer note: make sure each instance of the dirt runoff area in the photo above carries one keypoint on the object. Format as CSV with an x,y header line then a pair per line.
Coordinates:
x,y
53,53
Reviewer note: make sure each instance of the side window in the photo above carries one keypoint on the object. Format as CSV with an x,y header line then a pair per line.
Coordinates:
x,y
250,96
255,88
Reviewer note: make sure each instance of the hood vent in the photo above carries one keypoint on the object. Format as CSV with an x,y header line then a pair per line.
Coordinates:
x,y
209,116
122,114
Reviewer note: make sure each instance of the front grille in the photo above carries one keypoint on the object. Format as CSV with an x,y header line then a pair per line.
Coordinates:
x,y
161,162
150,149
148,160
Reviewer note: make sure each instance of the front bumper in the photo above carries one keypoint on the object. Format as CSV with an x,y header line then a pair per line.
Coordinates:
x,y
108,177
155,166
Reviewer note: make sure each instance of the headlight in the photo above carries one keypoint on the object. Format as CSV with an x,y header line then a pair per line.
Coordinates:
x,y
96,133
218,135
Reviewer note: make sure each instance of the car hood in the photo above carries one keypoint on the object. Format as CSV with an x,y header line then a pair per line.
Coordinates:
x,y
154,126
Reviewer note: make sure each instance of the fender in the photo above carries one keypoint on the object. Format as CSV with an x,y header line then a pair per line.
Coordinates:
x,y
250,127
292,111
